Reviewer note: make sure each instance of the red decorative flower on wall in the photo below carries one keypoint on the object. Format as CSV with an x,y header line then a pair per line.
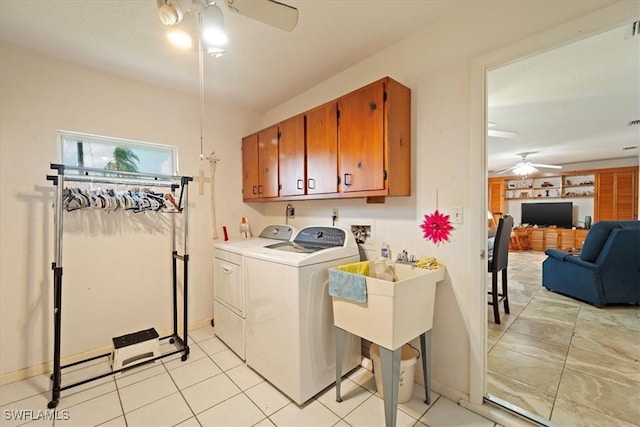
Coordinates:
x,y
436,227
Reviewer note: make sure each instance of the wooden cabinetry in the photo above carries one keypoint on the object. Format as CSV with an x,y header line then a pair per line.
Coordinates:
x,y
566,239
541,239
260,164
358,145
362,139
536,238
579,238
322,149
374,136
495,195
291,157
616,194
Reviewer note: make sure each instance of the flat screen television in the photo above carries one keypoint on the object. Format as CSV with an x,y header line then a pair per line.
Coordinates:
x,y
559,214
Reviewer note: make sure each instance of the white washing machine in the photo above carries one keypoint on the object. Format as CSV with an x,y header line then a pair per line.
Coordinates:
x,y
229,284
290,335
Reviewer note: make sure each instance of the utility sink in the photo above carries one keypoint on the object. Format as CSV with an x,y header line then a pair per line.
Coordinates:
x,y
394,312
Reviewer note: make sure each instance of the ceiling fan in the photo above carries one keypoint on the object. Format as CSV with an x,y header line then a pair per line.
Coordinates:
x,y
208,27
524,167
271,12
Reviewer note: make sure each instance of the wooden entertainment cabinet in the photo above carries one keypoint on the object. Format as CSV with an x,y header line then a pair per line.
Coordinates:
x,y
614,191
543,238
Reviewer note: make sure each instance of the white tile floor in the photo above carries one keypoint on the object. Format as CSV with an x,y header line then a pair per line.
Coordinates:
x,y
212,388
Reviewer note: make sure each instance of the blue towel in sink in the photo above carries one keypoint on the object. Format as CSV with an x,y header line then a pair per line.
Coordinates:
x,y
347,285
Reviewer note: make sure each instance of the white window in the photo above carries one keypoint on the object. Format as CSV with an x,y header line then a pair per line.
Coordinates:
x,y
102,152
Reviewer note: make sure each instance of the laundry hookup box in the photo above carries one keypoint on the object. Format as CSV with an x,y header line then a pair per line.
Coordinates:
x,y
387,313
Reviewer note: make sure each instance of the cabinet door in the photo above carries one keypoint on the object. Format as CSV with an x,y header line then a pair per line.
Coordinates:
x,y
580,236
250,167
496,195
551,238
567,239
626,195
361,139
322,149
291,148
537,239
605,196
616,195
268,162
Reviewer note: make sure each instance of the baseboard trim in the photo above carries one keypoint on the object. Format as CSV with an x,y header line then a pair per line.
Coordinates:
x,y
47,367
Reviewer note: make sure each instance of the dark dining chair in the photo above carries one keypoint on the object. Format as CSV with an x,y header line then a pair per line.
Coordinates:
x,y
498,260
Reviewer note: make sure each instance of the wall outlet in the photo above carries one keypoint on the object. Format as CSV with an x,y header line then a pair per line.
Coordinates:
x,y
291,211
334,214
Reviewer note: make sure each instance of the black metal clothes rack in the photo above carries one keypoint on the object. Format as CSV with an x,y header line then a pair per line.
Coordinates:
x,y
100,176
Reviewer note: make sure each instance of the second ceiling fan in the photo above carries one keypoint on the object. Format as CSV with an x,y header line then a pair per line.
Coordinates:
x,y
525,167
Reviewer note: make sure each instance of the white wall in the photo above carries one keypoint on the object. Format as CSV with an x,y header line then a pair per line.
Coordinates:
x,y
437,64
116,267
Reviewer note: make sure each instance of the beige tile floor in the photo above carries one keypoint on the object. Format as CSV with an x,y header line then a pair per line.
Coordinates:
x,y
213,388
562,359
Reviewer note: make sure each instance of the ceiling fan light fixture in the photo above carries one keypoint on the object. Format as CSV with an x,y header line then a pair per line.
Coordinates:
x,y
524,169
211,26
180,38
169,11
214,37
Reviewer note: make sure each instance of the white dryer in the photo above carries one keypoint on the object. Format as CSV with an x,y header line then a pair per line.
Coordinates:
x,y
229,284
290,335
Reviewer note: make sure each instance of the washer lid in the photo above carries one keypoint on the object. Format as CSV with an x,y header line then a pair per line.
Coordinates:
x,y
313,239
326,237
297,248
312,245
270,234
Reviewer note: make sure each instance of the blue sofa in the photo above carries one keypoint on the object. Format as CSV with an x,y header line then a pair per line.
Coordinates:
x,y
607,271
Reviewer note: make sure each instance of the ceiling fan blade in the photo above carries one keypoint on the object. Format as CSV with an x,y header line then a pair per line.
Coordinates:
x,y
502,133
506,170
546,166
270,12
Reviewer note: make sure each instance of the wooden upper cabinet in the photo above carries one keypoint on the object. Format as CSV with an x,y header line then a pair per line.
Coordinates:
x,y
268,162
397,138
616,194
260,164
358,145
292,156
250,167
322,149
361,139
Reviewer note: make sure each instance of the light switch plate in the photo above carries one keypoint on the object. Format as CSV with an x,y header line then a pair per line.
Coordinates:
x,y
457,216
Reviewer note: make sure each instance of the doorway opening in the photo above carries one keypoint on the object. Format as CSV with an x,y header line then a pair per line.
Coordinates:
x,y
551,348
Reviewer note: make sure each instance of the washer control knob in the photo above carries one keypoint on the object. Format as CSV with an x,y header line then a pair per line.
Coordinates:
x,y
319,234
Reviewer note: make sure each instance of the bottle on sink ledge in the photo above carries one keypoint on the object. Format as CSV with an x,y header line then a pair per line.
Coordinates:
x,y
383,266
